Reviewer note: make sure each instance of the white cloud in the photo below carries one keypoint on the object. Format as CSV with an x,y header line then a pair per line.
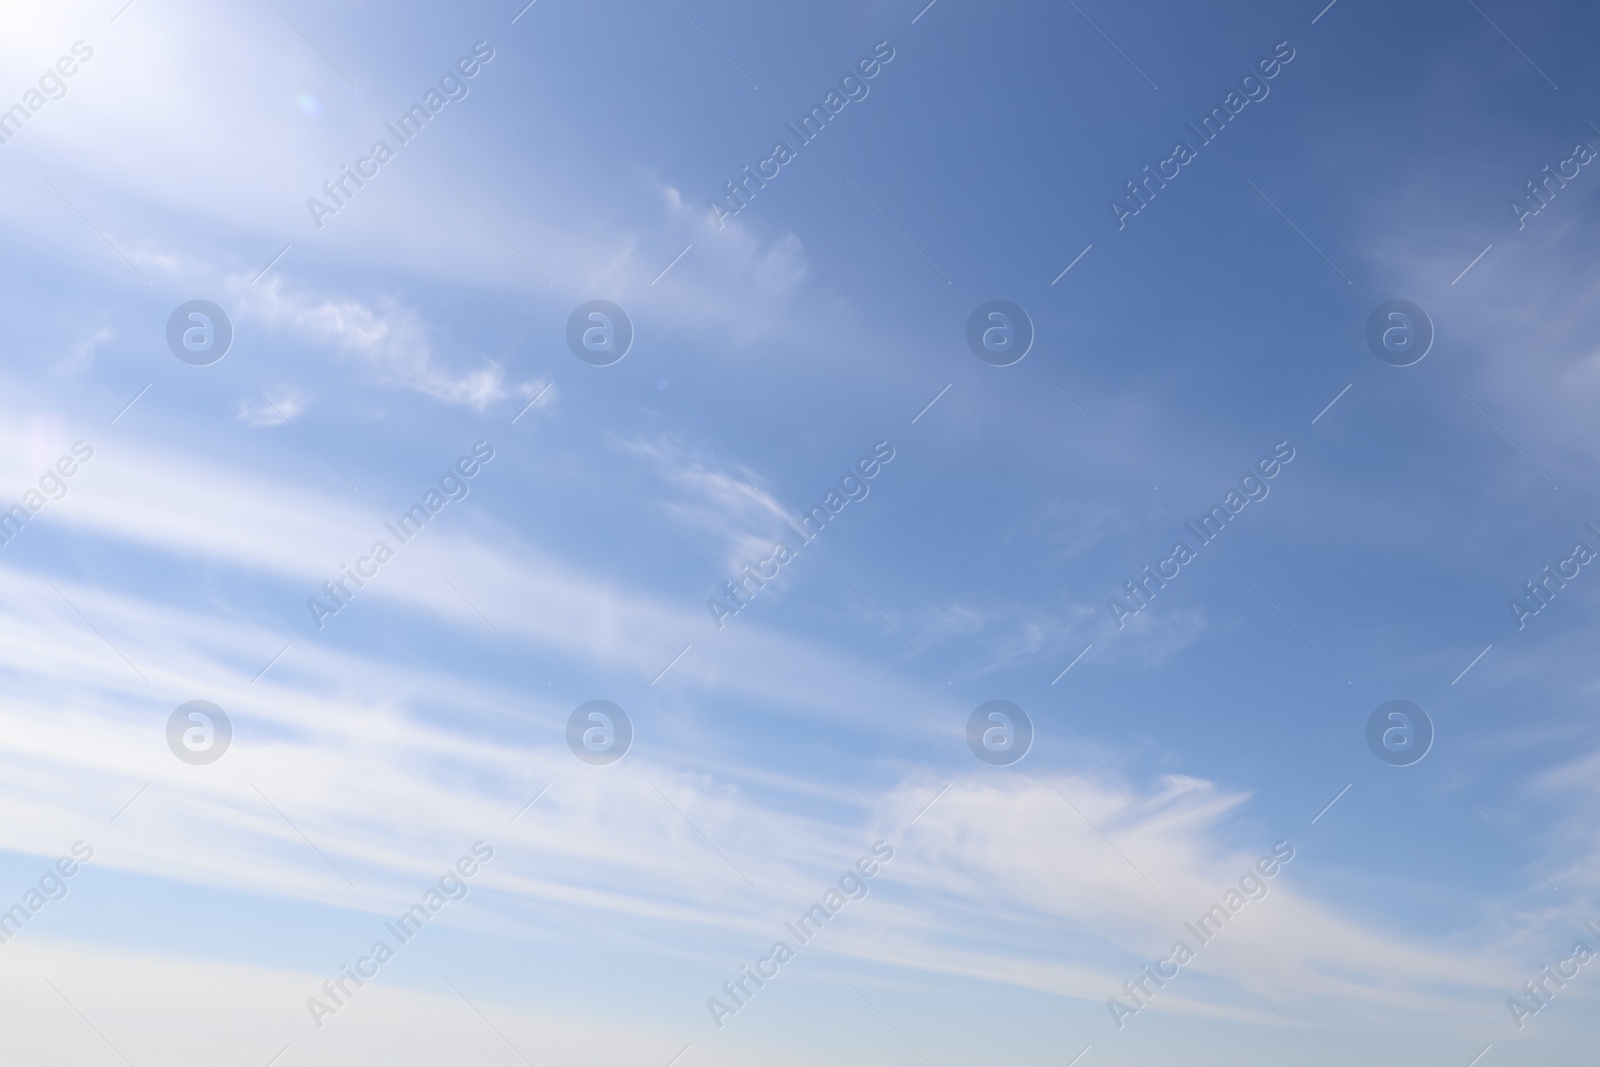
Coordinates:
x,y
193,109
391,340
996,869
709,499
271,411
1014,866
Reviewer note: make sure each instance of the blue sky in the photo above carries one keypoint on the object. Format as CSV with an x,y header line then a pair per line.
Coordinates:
x,y
1224,321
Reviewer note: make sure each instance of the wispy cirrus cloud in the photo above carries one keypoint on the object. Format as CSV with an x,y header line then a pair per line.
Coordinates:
x,y
260,412
392,341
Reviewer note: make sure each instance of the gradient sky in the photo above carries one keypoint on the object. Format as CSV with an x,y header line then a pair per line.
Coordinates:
x,y
770,353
